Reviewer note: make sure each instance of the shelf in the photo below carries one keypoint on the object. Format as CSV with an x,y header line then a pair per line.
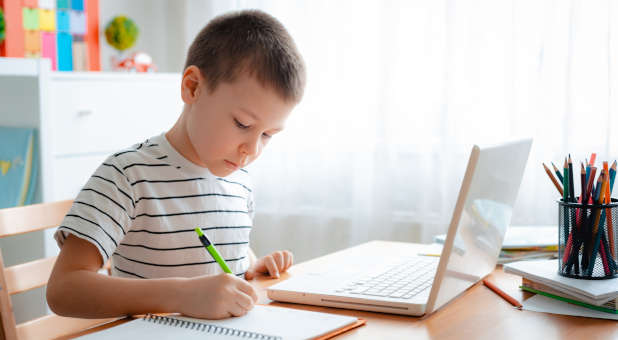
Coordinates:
x,y
115,76
27,67
20,67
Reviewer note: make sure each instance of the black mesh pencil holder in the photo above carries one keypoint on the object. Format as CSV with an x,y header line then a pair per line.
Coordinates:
x,y
588,240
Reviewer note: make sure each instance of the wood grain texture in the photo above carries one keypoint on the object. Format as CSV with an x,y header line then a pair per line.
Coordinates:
x,y
33,274
20,220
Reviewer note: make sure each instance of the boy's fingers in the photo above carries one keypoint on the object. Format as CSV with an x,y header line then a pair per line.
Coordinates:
x,y
270,264
289,258
249,275
286,261
237,310
245,301
248,289
279,261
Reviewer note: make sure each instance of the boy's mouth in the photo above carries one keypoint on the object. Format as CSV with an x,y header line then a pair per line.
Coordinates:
x,y
231,164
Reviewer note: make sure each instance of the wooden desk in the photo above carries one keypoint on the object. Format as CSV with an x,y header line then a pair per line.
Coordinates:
x,y
477,314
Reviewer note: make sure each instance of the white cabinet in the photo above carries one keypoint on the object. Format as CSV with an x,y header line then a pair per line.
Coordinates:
x,y
83,117
96,113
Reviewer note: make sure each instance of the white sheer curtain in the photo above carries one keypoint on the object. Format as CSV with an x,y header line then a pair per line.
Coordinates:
x,y
397,93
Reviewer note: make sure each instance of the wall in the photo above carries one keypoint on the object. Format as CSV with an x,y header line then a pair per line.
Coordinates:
x,y
166,27
161,30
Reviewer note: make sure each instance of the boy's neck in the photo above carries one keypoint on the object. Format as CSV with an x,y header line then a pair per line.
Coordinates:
x,y
178,137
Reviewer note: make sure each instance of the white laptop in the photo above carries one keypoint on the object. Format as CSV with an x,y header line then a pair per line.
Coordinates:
x,y
415,285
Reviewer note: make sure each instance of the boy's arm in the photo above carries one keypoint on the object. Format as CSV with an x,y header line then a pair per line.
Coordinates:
x,y
76,289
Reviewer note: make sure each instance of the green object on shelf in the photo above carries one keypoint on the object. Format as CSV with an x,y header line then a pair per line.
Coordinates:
x,y
121,33
2,26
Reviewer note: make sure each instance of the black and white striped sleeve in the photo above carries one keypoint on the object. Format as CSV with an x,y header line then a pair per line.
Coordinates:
x,y
101,213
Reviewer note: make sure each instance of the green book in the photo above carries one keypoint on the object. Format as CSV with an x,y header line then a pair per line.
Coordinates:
x,y
565,299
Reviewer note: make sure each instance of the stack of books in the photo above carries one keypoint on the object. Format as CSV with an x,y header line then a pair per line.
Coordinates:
x,y
541,277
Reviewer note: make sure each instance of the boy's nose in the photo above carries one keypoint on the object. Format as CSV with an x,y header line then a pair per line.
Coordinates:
x,y
250,149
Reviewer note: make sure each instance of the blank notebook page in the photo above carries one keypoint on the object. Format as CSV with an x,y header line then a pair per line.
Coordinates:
x,y
262,322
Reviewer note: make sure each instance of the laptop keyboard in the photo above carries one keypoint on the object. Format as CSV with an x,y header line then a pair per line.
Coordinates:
x,y
403,280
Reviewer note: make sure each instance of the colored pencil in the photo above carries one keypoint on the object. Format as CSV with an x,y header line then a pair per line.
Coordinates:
x,y
582,196
568,252
557,171
599,220
593,157
612,177
588,237
610,259
556,184
590,183
565,184
605,253
610,227
571,181
502,294
603,256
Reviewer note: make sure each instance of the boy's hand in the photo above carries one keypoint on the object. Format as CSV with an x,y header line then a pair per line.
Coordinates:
x,y
216,297
273,264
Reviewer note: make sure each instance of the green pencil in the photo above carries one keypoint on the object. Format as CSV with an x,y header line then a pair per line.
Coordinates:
x,y
213,252
565,199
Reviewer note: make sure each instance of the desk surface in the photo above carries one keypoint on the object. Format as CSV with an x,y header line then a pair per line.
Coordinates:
x,y
477,314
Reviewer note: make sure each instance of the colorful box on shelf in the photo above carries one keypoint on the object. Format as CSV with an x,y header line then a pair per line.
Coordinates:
x,y
63,20
47,20
65,31
30,18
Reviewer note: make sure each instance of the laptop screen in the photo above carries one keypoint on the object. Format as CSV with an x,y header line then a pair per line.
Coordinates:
x,y
482,213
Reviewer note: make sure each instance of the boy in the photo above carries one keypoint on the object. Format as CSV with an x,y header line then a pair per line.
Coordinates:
x,y
242,78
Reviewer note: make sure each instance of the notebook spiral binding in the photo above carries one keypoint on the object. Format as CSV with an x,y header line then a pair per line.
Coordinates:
x,y
204,327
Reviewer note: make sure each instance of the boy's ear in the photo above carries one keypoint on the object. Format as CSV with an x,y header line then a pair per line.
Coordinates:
x,y
191,81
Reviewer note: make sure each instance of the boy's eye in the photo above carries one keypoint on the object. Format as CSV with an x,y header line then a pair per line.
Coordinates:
x,y
266,135
240,125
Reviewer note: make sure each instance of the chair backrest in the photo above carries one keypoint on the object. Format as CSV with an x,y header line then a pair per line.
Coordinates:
x,y
30,275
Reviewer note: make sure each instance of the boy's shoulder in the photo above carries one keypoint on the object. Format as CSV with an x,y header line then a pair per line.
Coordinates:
x,y
145,150
239,177
145,154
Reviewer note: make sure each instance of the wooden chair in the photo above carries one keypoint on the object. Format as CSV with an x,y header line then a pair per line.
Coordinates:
x,y
34,274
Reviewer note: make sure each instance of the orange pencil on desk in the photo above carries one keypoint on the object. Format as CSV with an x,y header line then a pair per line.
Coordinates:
x,y
504,295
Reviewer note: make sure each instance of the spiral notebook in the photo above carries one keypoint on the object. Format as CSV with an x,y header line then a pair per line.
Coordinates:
x,y
262,322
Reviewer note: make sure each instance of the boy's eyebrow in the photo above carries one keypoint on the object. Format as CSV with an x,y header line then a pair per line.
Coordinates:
x,y
253,115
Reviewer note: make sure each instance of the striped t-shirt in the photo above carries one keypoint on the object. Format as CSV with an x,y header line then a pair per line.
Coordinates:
x,y
141,206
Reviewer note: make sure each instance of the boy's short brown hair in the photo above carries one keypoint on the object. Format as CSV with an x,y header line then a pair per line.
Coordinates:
x,y
249,41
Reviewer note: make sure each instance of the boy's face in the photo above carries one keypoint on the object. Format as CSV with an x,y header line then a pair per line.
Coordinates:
x,y
229,128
